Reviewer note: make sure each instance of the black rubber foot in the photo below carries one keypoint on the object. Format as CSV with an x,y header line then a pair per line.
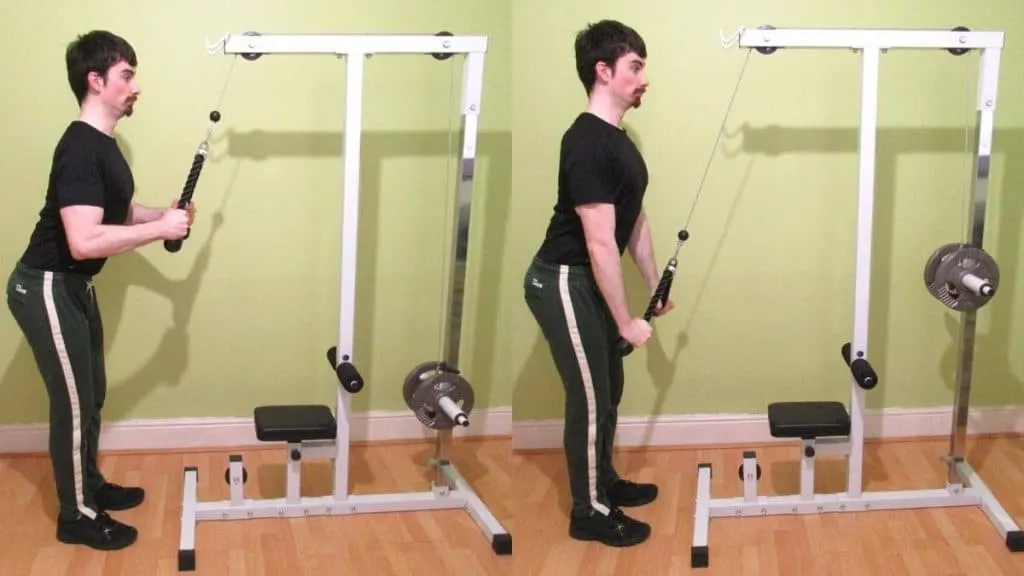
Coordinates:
x,y
1015,541
502,544
186,560
699,557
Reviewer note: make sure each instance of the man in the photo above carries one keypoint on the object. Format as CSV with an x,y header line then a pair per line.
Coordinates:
x,y
574,286
87,217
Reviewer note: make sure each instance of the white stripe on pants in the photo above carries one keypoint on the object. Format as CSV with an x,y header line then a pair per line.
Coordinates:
x,y
69,379
588,388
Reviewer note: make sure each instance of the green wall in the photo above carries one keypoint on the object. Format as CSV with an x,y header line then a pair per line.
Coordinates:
x,y
243,315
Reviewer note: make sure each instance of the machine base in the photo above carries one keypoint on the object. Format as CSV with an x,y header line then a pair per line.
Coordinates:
x,y
972,492
458,496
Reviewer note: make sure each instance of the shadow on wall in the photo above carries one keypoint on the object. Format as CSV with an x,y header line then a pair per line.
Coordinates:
x,y
377,146
992,352
21,383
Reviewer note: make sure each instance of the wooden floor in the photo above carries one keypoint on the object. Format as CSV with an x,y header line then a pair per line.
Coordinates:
x,y
927,543
528,494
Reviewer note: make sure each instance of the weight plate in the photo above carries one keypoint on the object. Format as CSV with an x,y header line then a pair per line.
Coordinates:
x,y
931,267
416,377
945,270
427,396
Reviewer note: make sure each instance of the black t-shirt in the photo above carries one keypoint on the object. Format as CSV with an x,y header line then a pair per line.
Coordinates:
x,y
598,164
88,169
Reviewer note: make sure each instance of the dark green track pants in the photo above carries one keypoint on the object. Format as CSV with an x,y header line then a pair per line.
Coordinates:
x,y
581,334
60,319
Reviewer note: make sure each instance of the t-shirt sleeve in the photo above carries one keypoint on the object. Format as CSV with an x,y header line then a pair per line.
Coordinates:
x,y
588,176
77,179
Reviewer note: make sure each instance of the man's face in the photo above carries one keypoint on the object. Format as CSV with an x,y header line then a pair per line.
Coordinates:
x,y
119,91
628,81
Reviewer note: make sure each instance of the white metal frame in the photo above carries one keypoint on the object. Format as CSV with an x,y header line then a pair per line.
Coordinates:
x,y
449,490
963,486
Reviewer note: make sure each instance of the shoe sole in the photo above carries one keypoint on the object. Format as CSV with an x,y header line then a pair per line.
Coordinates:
x,y
121,508
103,546
584,537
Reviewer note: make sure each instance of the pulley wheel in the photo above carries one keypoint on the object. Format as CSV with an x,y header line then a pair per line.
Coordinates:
x,y
251,56
952,268
959,51
766,50
443,55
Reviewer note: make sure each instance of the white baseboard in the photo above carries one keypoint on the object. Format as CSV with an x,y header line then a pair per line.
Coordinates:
x,y
716,429
663,431
217,433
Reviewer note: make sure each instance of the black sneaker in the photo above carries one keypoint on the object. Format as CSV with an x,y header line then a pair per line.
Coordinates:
x,y
616,529
101,533
114,497
625,493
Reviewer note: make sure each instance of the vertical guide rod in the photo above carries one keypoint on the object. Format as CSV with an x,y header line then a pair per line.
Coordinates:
x,y
988,87
469,111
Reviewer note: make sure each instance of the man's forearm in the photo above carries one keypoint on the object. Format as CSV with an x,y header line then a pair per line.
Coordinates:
x,y
607,265
641,248
140,214
105,241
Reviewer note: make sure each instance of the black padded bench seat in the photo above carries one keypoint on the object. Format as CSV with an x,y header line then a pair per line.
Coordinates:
x,y
294,423
808,419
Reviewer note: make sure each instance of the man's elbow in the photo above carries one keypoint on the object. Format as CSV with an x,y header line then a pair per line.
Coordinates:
x,y
602,248
78,253
79,249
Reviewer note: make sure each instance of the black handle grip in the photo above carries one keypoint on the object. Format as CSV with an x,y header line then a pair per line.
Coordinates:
x,y
860,368
175,245
659,298
349,378
186,196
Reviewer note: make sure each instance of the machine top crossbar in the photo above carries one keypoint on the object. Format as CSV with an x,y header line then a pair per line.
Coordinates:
x,y
853,38
345,44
